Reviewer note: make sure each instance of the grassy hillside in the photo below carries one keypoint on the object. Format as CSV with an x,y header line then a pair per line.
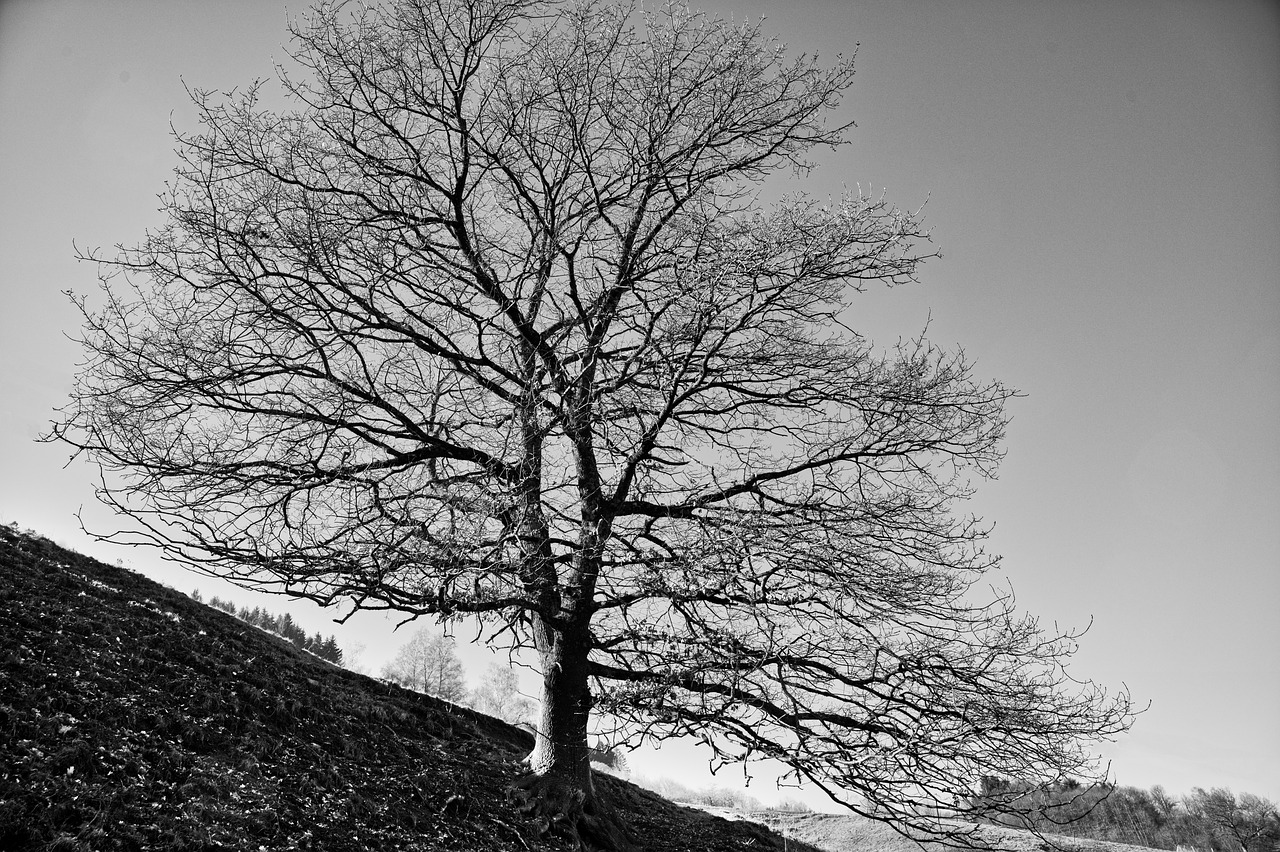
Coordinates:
x,y
840,833
132,717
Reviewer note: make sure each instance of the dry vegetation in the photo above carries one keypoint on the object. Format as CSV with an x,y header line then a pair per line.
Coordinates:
x,y
132,717
838,833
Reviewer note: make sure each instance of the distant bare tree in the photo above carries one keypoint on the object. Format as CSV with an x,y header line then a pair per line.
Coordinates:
x,y
1165,804
493,325
428,663
499,695
1249,821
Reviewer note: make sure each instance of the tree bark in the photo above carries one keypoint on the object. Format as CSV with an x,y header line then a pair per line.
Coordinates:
x,y
561,746
559,793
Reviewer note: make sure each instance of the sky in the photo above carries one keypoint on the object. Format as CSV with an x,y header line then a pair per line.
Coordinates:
x,y
1103,181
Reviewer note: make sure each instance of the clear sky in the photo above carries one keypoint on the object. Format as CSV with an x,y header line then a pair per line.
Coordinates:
x,y
1103,179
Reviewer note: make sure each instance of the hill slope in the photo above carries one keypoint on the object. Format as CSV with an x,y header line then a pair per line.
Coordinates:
x,y
849,833
132,717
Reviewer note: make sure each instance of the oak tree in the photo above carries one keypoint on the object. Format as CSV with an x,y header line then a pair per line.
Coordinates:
x,y
490,322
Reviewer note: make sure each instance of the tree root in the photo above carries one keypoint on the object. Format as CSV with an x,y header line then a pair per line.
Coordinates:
x,y
560,809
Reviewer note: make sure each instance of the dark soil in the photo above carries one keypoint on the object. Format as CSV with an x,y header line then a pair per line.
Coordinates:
x,y
132,717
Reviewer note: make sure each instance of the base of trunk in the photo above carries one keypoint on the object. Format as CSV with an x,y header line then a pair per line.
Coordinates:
x,y
563,810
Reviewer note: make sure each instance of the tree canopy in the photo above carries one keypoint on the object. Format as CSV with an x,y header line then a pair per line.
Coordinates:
x,y
490,322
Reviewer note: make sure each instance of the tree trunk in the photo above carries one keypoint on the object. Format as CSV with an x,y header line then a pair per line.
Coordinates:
x,y
560,750
559,792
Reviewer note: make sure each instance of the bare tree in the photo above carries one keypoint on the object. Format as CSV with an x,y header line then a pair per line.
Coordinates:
x,y
428,663
1250,822
492,324
1165,804
499,695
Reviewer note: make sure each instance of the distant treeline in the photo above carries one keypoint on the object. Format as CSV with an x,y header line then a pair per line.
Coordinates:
x,y
281,625
727,798
1211,821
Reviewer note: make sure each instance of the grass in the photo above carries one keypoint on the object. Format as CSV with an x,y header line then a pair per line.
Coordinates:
x,y
841,833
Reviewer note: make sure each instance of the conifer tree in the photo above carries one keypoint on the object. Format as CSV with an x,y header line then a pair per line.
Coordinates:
x,y
331,652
